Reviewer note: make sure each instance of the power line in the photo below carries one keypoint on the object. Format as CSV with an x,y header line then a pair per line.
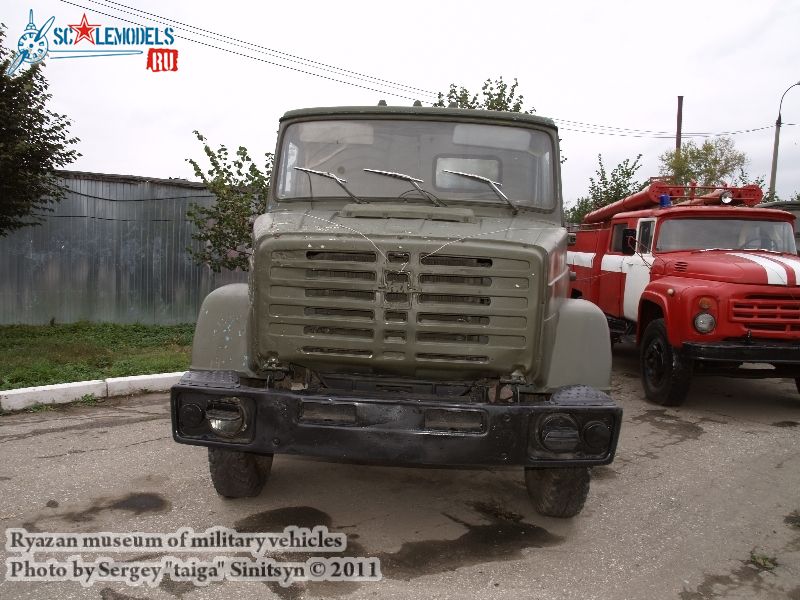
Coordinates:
x,y
623,129
334,79
245,43
339,73
667,136
374,84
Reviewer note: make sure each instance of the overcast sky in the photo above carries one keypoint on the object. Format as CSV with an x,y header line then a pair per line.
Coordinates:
x,y
615,64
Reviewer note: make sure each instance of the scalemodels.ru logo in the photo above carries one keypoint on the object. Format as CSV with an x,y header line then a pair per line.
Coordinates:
x,y
95,40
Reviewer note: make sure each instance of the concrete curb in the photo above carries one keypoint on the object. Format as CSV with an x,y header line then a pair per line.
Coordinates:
x,y
99,388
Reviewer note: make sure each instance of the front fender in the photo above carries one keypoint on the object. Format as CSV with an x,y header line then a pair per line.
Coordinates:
x,y
581,350
654,300
222,334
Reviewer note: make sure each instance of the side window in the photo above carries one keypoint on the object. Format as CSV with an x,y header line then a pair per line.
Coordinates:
x,y
616,237
644,240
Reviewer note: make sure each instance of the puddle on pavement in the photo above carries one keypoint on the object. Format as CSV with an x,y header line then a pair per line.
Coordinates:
x,y
713,586
504,537
677,430
280,518
302,516
793,519
137,503
176,588
603,473
109,594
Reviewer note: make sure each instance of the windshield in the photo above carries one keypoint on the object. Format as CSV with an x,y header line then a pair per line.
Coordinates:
x,y
728,234
519,160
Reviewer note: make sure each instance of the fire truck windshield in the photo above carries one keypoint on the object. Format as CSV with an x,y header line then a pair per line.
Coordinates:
x,y
725,234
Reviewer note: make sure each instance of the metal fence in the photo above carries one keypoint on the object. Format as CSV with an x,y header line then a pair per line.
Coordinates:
x,y
114,249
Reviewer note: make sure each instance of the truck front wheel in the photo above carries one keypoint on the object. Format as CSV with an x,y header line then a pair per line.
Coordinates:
x,y
666,374
558,492
238,474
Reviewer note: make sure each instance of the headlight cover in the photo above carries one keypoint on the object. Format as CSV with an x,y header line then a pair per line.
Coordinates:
x,y
705,322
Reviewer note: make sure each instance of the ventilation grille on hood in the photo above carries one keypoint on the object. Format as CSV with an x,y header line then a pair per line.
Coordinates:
x,y
399,312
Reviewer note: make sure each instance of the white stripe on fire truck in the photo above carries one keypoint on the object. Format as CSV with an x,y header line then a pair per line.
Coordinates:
x,y
611,263
776,273
793,263
581,259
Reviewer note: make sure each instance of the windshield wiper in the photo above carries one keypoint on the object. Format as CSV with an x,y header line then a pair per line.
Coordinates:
x,y
412,180
492,184
337,179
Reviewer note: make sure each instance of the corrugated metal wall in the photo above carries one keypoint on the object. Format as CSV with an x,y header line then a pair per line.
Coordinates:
x,y
114,249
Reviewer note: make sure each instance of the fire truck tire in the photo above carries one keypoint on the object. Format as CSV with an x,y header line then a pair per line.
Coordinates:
x,y
797,383
558,493
238,474
666,374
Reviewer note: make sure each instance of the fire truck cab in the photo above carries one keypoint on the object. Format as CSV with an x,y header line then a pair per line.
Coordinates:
x,y
707,283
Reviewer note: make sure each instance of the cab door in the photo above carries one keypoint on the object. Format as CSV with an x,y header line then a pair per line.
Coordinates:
x,y
636,268
610,282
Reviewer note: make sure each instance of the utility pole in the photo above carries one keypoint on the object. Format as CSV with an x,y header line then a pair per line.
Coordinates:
x,y
774,171
679,126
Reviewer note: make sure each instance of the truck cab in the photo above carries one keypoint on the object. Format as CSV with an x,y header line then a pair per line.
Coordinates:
x,y
792,206
706,286
407,303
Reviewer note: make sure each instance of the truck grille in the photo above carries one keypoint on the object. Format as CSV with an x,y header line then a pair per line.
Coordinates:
x,y
767,314
409,313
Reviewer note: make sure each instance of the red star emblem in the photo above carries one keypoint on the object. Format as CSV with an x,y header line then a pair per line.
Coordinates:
x,y
84,30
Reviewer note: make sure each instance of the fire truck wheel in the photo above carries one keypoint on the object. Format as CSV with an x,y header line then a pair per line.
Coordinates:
x,y
666,374
238,474
797,383
558,492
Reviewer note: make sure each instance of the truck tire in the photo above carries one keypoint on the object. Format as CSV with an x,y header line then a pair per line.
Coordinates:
x,y
666,374
238,474
558,493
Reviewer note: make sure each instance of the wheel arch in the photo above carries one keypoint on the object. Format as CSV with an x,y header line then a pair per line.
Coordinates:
x,y
651,307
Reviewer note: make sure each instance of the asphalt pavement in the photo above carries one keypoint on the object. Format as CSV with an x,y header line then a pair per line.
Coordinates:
x,y
701,502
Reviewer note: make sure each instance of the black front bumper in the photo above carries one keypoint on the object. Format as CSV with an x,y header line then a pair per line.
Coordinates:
x,y
398,430
758,351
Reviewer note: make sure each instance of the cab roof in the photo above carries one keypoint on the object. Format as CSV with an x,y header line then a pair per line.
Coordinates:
x,y
419,111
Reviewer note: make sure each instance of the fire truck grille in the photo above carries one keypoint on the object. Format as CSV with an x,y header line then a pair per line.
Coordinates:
x,y
767,314
408,313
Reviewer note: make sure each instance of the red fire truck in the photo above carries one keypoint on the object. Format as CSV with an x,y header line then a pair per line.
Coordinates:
x,y
705,281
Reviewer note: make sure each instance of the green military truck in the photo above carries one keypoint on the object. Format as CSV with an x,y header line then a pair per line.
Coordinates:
x,y
407,303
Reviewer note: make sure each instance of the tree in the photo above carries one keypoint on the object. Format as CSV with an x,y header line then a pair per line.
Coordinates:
x,y
34,142
495,95
712,163
240,188
606,188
